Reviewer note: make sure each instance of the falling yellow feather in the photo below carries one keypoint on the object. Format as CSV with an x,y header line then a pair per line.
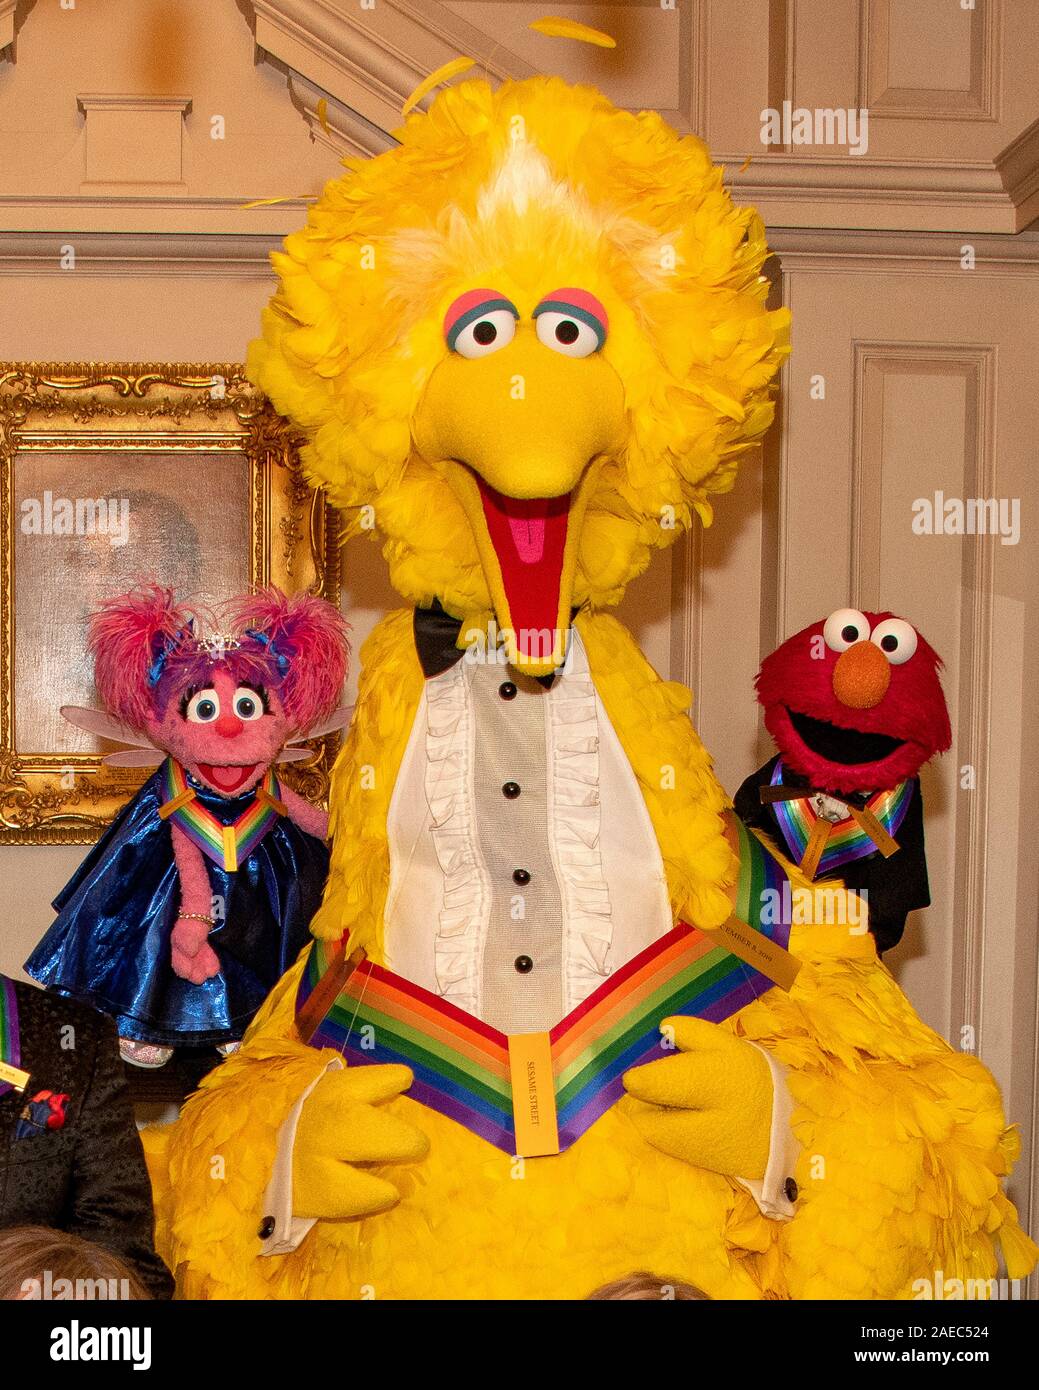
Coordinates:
x,y
288,198
442,74
557,28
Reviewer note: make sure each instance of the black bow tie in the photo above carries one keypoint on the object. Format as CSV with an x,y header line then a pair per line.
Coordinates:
x,y
436,636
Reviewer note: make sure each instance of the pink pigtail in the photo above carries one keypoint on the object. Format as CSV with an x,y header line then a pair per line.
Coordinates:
x,y
306,639
130,637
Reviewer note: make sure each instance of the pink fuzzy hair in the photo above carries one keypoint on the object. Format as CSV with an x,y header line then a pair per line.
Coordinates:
x,y
127,634
146,651
304,635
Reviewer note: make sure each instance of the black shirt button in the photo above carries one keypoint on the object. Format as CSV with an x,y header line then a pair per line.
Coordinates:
x,y
524,964
507,690
790,1188
521,876
266,1228
510,791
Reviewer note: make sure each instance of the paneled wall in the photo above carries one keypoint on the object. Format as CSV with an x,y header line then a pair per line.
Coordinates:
x,y
910,269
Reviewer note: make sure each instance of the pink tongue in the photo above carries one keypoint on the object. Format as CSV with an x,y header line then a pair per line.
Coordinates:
x,y
528,536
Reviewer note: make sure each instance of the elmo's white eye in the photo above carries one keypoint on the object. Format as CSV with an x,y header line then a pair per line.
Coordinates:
x,y
203,707
567,334
844,628
248,703
896,639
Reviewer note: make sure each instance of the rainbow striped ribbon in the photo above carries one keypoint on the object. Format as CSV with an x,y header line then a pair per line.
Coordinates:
x,y
227,845
847,840
461,1065
10,1036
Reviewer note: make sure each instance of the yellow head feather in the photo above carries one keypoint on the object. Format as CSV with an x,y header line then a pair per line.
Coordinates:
x,y
528,187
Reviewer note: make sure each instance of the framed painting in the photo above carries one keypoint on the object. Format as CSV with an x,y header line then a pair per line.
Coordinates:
x,y
110,473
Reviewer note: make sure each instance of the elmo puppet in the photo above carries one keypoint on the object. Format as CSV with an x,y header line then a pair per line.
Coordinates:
x,y
856,708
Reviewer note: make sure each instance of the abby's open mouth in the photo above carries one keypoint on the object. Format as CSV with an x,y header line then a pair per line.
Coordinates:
x,y
838,745
227,778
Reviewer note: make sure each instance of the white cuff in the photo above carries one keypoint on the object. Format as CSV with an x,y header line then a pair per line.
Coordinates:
x,y
280,1231
776,1192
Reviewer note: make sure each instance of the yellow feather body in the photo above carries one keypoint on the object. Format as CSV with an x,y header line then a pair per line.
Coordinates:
x,y
904,1143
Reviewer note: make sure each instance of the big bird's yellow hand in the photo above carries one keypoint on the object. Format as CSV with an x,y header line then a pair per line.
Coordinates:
x,y
710,1104
342,1125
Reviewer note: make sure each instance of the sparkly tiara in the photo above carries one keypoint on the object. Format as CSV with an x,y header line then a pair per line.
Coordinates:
x,y
218,644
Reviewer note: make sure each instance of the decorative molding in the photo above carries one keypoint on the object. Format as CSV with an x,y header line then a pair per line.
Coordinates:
x,y
694,87
1018,169
687,595
926,195
132,139
365,58
979,102
130,254
874,362
105,101
883,253
336,126
8,27
246,255
95,212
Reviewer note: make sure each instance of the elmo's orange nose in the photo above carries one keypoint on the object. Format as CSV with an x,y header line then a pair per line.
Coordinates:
x,y
861,676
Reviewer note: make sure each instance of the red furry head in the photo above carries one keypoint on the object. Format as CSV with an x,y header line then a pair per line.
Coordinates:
x,y
223,705
854,702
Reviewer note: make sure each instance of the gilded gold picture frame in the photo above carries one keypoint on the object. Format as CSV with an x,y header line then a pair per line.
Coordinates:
x,y
112,472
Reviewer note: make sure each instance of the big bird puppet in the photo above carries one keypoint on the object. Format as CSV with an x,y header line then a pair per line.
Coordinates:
x,y
559,1022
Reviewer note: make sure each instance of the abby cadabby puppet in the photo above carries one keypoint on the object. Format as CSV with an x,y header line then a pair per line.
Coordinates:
x,y
200,894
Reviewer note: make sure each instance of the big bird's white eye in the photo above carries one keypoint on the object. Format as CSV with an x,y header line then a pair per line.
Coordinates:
x,y
479,323
572,322
896,639
844,628
203,707
566,334
248,703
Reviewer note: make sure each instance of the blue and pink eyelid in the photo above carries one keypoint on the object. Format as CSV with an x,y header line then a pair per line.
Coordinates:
x,y
572,302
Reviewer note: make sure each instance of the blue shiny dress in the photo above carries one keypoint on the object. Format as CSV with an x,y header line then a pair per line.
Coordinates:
x,y
110,943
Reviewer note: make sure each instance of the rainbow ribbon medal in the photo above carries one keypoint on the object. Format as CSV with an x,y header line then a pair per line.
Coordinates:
x,y
535,1094
227,845
847,839
12,1078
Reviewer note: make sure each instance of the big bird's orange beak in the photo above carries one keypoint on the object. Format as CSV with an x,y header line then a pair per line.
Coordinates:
x,y
518,435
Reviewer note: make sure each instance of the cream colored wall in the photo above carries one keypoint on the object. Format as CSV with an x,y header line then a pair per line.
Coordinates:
x,y
928,368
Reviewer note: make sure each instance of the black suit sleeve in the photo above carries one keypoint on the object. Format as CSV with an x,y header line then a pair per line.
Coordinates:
x,y
111,1200
898,886
747,801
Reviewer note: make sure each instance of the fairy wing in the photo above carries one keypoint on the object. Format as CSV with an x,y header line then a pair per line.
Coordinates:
x,y
103,725
135,757
294,755
339,719
141,753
